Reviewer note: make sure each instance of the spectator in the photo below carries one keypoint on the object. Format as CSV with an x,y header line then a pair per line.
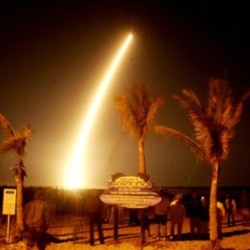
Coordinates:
x,y
230,207
221,213
204,217
145,223
194,213
133,217
37,215
161,214
107,213
94,209
177,213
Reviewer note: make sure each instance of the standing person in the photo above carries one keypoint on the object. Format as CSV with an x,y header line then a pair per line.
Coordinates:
x,y
94,209
230,207
37,215
133,217
161,214
177,213
221,213
194,213
145,223
204,217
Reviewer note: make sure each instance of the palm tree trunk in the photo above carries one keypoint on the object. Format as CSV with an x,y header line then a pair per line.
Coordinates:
x,y
19,212
19,176
142,161
213,223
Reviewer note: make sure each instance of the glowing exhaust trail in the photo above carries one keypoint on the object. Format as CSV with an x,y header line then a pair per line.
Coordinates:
x,y
75,173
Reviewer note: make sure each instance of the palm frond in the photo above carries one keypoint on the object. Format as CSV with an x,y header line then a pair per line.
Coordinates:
x,y
27,131
196,115
226,137
192,97
10,144
219,104
137,110
15,142
239,108
191,103
227,110
140,103
6,126
154,105
125,114
139,92
167,132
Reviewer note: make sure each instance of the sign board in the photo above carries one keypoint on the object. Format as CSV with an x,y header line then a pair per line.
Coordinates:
x,y
9,201
130,192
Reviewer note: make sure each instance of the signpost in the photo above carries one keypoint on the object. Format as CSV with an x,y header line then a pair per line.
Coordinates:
x,y
130,192
9,206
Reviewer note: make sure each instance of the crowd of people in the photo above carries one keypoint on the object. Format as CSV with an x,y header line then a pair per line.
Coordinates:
x,y
196,209
172,209
176,209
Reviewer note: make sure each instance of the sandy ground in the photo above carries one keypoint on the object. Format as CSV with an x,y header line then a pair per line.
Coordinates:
x,y
64,238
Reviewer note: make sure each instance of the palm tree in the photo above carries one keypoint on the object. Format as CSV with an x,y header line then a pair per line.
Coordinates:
x,y
16,142
214,127
137,112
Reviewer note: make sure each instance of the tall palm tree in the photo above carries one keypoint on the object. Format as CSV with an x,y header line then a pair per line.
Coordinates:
x,y
137,111
214,127
15,142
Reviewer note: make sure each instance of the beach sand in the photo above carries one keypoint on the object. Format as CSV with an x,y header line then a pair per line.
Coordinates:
x,y
63,237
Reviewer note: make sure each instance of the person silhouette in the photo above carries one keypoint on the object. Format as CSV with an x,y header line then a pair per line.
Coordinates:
x,y
37,216
161,211
94,209
177,214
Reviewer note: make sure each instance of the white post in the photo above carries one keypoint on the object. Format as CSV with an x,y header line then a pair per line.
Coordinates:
x,y
8,229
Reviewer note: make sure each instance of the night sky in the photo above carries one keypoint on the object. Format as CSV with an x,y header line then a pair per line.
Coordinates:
x,y
54,54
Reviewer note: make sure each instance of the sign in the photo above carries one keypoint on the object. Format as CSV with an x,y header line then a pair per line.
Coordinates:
x,y
9,201
130,192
